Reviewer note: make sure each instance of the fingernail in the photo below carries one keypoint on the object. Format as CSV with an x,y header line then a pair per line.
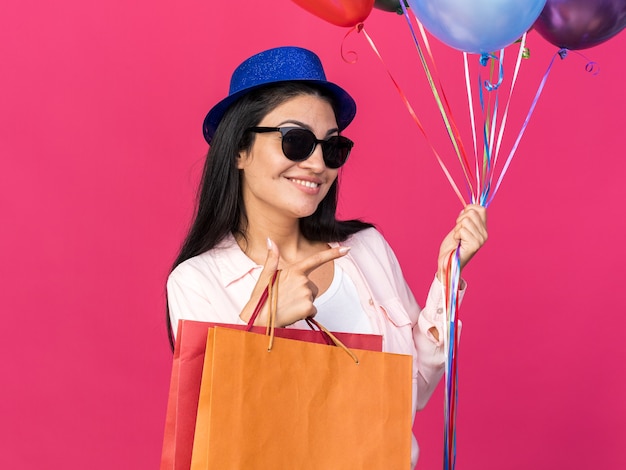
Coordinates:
x,y
344,249
269,243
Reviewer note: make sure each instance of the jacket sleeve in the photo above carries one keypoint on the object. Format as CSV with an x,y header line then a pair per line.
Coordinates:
x,y
193,295
429,347
185,299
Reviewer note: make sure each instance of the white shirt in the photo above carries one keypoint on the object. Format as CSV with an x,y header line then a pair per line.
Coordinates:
x,y
339,308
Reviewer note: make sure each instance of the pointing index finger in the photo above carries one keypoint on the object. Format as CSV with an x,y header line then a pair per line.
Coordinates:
x,y
310,264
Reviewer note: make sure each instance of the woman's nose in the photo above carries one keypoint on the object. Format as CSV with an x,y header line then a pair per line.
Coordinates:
x,y
315,161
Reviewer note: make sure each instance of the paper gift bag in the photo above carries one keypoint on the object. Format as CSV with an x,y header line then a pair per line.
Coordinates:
x,y
300,406
186,374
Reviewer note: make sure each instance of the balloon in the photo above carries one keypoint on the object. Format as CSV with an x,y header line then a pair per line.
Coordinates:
x,y
389,5
478,26
345,13
578,24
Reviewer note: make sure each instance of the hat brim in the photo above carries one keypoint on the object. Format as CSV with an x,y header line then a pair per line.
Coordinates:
x,y
346,106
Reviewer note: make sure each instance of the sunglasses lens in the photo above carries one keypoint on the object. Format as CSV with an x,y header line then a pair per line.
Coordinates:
x,y
336,151
298,144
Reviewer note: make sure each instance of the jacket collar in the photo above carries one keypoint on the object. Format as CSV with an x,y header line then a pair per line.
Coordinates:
x,y
232,261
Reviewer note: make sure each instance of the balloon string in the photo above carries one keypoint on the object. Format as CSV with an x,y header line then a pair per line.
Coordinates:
x,y
451,276
470,102
489,131
521,55
492,115
523,129
441,101
591,66
485,111
489,85
353,54
494,112
455,135
360,28
491,154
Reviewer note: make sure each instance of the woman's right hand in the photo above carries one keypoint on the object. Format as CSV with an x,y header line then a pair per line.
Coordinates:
x,y
296,292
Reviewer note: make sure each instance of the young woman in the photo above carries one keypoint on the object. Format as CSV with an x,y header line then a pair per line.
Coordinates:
x,y
267,201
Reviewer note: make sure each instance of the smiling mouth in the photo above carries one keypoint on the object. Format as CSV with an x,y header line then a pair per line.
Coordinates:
x,y
307,184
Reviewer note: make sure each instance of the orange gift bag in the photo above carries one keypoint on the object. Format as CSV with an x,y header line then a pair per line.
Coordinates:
x,y
276,403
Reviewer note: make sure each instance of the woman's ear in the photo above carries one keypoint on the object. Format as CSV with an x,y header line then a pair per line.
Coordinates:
x,y
241,159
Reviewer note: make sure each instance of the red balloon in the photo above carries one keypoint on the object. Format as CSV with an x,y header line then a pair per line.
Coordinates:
x,y
344,13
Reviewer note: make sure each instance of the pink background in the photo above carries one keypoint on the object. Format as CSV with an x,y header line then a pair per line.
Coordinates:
x,y
101,105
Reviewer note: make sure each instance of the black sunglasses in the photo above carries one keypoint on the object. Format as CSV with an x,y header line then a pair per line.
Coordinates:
x,y
299,144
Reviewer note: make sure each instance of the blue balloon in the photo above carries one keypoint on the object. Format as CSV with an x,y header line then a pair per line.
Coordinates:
x,y
477,26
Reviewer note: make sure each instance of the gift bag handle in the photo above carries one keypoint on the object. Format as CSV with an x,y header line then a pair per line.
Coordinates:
x,y
312,321
261,302
271,293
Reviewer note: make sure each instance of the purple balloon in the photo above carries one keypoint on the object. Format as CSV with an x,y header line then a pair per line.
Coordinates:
x,y
579,24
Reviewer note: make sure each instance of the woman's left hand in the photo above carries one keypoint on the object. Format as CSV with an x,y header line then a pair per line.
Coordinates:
x,y
470,231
